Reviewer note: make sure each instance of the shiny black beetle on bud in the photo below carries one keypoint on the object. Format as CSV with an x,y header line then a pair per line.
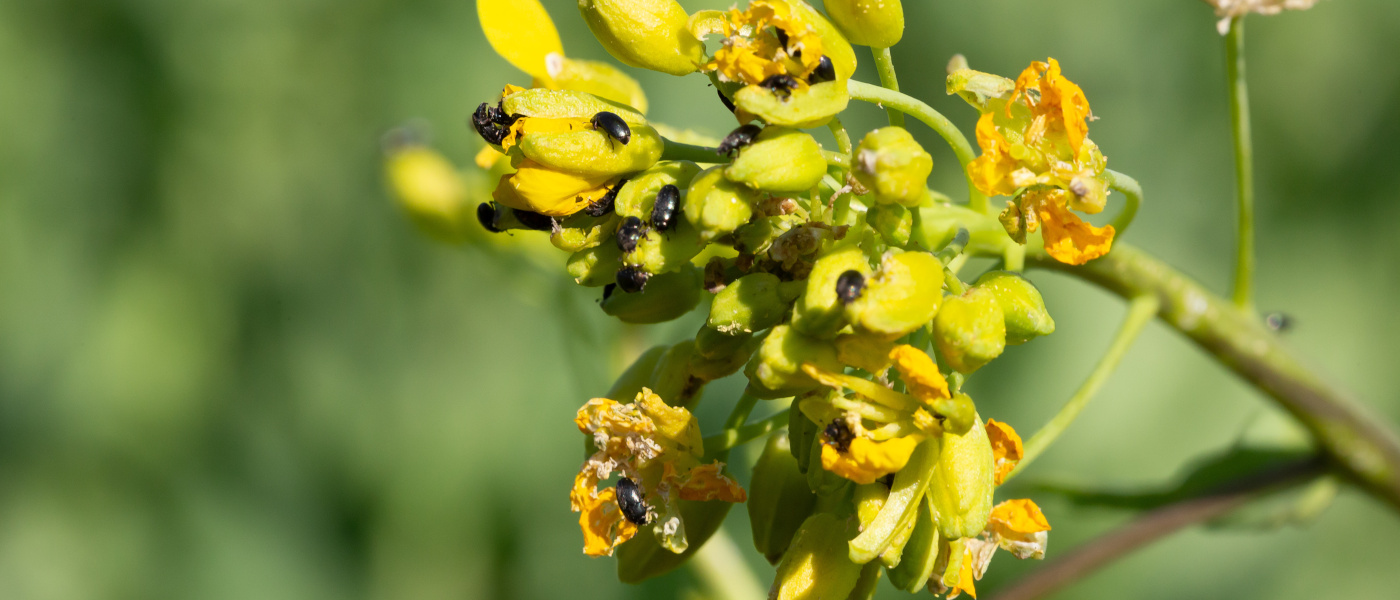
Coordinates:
x,y
632,279
663,211
613,126
629,501
534,220
780,85
824,72
737,139
492,123
486,213
631,230
849,286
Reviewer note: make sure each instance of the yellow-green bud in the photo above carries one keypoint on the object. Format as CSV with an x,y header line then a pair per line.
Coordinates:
x,y
962,484
867,584
596,266
893,166
893,221
671,379
970,330
776,370
642,557
819,312
920,555
865,350
660,252
779,160
665,297
715,366
717,206
580,231
816,565
638,196
803,108
587,151
565,104
751,303
649,34
710,343
902,296
779,500
1021,304
874,23
637,375
756,237
869,499
431,190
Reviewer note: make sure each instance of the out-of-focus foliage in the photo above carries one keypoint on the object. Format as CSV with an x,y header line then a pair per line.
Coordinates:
x,y
231,368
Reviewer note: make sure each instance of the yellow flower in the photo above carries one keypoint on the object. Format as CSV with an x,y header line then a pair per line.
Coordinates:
x,y
767,39
1068,238
658,448
1006,448
873,433
1016,526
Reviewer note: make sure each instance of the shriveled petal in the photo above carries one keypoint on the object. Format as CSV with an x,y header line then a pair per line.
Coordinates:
x,y
612,417
920,374
603,525
1058,92
673,423
991,172
705,482
546,191
979,553
1006,448
1069,239
521,32
867,460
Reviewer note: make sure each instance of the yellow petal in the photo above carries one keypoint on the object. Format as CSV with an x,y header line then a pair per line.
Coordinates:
x,y
1069,239
548,192
1006,448
603,524
674,423
1059,92
867,460
602,414
920,374
1020,516
705,482
521,32
966,579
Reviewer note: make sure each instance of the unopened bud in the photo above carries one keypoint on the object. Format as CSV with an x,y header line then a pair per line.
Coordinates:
x,y
802,108
717,206
893,221
891,164
920,556
751,303
961,488
869,499
1021,305
776,370
758,236
779,160
637,197
820,311
637,375
596,266
581,231
665,297
874,23
976,87
779,500
816,564
671,379
649,34
970,330
901,297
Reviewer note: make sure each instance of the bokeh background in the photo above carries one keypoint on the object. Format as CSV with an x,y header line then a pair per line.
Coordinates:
x,y
231,368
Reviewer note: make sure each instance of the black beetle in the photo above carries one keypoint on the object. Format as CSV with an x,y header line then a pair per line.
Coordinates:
x,y
729,104
604,205
492,122
737,139
631,230
663,211
613,126
629,500
534,220
824,72
781,85
632,279
608,291
487,215
849,286
839,435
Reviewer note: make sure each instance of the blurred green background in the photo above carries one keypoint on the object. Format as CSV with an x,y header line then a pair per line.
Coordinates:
x,y
230,367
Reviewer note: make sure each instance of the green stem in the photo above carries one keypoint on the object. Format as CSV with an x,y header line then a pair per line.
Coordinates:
x,y
843,137
837,159
738,435
934,119
721,566
741,410
884,65
1244,164
1132,193
699,154
1359,441
1140,310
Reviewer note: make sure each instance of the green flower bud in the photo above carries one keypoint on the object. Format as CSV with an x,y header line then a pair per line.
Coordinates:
x,y
665,297
874,23
596,266
779,160
779,500
962,484
757,236
717,206
710,343
893,221
565,104
642,558
751,303
586,151
638,196
977,87
867,584
803,108
671,378
580,231
816,565
893,166
1021,304
724,356
637,375
920,554
649,34
869,499
865,350
819,312
970,330
776,370
902,297
660,252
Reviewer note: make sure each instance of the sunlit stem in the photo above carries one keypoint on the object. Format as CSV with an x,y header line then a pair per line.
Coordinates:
x,y
721,568
843,137
1243,294
1132,192
700,154
884,64
741,411
1140,310
934,119
738,435
1015,258
837,159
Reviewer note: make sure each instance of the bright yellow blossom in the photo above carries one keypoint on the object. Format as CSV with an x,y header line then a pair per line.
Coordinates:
x,y
1006,448
1016,526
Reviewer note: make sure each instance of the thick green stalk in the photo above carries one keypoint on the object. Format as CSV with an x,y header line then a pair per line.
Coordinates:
x,y
934,119
1244,164
884,65
736,435
1132,193
1140,310
699,154
1359,441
